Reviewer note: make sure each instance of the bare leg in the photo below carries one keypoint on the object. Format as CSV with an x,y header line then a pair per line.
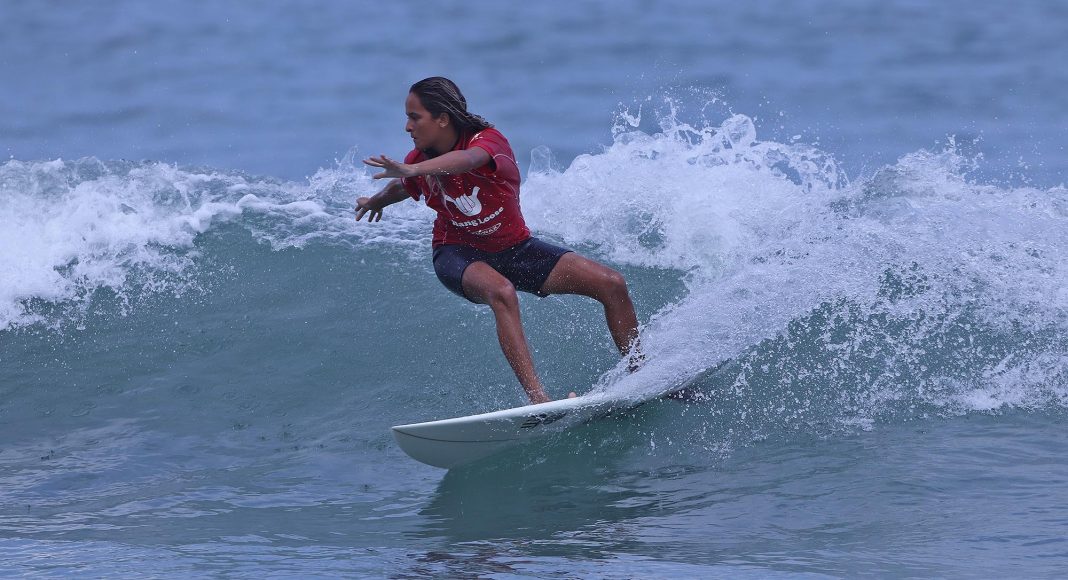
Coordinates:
x,y
485,285
575,274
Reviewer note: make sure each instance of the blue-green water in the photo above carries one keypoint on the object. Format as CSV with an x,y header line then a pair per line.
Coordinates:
x,y
201,355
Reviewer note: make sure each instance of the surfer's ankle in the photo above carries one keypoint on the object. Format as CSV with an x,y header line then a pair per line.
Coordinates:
x,y
538,397
635,361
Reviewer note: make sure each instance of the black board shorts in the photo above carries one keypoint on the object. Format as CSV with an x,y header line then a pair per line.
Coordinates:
x,y
526,265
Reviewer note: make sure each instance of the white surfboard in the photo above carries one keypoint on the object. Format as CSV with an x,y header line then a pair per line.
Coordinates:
x,y
452,442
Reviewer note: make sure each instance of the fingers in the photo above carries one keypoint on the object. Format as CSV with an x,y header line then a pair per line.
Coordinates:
x,y
372,215
361,207
380,161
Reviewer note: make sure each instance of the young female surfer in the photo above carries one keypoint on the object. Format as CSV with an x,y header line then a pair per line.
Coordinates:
x,y
465,170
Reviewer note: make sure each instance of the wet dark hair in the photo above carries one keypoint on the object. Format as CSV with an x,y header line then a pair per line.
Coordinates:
x,y
440,95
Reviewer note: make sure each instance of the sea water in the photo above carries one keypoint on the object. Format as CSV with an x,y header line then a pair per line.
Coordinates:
x,y
844,223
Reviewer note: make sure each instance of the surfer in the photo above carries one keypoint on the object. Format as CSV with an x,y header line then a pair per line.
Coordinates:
x,y
464,169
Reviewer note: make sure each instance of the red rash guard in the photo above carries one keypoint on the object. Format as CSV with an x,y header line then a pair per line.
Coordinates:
x,y
479,208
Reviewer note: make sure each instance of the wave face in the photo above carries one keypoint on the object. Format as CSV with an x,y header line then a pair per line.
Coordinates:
x,y
185,344
912,288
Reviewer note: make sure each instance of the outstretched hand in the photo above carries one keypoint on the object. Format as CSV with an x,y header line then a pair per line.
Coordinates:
x,y
364,206
392,168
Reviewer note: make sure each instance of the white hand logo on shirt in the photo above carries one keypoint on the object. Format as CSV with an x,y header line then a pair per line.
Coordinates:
x,y
468,204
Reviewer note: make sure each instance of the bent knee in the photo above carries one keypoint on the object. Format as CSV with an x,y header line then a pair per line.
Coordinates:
x,y
615,280
502,294
613,285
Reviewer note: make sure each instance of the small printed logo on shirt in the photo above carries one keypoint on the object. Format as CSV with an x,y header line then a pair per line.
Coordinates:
x,y
478,222
468,204
487,231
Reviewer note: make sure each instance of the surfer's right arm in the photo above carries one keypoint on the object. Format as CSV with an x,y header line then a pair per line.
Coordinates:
x,y
372,206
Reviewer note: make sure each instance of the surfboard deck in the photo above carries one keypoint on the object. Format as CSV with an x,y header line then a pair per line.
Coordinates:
x,y
449,443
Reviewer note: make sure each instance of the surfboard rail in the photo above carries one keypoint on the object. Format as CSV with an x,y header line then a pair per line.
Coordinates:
x,y
448,443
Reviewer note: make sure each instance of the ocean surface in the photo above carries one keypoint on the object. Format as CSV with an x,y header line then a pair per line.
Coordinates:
x,y
845,222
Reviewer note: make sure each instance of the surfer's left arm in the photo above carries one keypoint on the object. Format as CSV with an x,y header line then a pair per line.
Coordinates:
x,y
450,163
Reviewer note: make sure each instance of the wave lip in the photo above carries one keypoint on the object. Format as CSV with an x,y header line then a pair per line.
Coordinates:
x,y
75,227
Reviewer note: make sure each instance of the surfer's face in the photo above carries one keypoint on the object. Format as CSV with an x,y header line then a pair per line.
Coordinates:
x,y
429,134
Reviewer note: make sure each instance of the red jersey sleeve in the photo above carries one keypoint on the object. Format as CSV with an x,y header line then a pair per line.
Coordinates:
x,y
493,142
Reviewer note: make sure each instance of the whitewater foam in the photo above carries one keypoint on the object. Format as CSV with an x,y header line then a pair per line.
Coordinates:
x,y
73,228
774,237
